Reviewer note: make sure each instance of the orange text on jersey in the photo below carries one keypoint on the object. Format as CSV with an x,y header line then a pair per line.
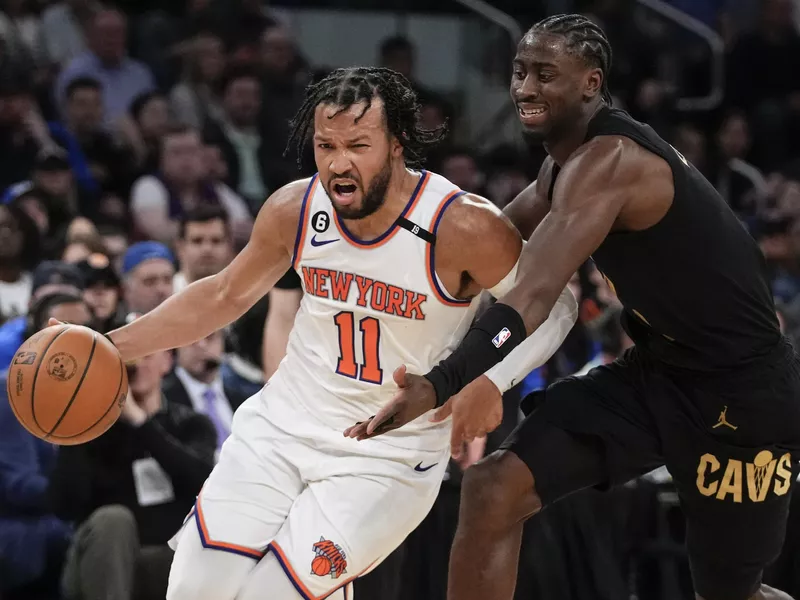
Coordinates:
x,y
374,294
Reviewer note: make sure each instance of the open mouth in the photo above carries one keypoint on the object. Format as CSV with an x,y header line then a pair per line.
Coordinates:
x,y
530,112
344,189
344,192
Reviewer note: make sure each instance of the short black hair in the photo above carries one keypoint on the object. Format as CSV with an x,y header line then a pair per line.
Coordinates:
x,y
31,250
235,73
345,87
203,214
141,101
584,38
82,83
396,43
40,311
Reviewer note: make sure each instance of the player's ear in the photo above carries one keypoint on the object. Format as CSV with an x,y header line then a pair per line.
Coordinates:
x,y
397,146
593,84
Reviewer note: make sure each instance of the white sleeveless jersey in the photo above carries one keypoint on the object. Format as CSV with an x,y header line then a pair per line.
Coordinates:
x,y
369,307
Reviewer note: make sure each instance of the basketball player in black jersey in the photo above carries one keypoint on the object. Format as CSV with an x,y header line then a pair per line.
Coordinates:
x,y
711,388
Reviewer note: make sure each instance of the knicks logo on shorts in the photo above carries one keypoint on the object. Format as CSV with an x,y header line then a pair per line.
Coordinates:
x,y
754,480
330,559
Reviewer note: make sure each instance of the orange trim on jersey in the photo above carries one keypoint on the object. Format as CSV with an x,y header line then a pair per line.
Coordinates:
x,y
430,265
207,542
302,225
298,583
389,233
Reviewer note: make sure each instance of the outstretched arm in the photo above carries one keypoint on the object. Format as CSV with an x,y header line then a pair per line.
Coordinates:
x,y
591,192
212,303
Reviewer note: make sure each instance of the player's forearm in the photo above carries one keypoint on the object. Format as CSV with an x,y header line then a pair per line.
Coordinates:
x,y
493,337
539,347
190,315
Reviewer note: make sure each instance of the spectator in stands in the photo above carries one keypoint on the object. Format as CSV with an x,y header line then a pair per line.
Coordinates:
x,y
97,160
103,291
22,30
159,201
194,100
197,383
460,166
239,136
33,541
284,77
612,339
740,183
144,127
693,145
48,277
115,241
20,141
204,246
130,490
122,78
147,272
63,29
19,253
764,79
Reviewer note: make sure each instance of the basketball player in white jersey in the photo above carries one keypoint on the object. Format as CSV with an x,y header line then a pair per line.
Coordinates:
x,y
392,260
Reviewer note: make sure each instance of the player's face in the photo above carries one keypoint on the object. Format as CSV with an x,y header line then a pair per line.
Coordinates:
x,y
354,157
550,85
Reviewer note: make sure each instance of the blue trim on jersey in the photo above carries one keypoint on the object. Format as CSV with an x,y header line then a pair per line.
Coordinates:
x,y
302,222
385,234
432,265
211,545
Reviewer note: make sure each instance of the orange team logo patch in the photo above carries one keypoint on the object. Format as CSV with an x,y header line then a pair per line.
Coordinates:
x,y
330,559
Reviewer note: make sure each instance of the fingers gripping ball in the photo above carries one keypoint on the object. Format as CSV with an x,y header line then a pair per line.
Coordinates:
x,y
67,384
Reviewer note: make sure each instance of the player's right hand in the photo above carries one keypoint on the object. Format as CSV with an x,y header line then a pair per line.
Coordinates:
x,y
415,397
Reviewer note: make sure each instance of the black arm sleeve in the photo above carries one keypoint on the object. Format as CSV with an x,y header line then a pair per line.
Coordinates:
x,y
490,340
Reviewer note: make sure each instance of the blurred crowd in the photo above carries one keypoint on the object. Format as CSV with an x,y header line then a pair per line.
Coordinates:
x,y
138,144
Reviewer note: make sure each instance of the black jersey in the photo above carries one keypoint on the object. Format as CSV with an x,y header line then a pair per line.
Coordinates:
x,y
694,286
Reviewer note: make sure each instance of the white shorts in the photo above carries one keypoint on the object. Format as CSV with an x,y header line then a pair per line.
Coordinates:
x,y
329,508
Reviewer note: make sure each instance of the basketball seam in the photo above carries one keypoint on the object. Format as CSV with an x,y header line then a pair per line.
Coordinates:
x,y
77,388
36,376
110,406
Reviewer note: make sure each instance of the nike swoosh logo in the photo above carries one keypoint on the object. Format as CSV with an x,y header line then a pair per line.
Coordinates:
x,y
316,243
422,469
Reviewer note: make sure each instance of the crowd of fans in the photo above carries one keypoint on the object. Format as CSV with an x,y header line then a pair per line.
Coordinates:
x,y
136,152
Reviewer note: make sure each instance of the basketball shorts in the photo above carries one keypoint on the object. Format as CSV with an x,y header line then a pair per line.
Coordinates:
x,y
731,443
328,507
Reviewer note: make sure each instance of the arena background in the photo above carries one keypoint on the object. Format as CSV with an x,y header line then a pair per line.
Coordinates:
x,y
168,119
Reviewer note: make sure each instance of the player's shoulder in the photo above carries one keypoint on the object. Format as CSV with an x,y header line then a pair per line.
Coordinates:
x,y
471,219
286,202
615,159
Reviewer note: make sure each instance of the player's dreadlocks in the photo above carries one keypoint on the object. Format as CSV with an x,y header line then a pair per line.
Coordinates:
x,y
346,87
583,37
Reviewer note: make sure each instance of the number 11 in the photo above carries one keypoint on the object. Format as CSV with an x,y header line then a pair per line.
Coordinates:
x,y
370,327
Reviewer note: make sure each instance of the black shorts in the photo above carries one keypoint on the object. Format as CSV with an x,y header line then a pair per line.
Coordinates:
x,y
731,443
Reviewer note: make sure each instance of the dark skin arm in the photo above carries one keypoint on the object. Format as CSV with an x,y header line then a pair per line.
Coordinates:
x,y
608,184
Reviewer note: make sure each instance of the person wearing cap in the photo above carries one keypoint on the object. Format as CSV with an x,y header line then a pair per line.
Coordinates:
x,y
102,291
148,269
49,277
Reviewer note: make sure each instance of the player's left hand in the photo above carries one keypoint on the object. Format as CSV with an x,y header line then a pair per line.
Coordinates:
x,y
476,410
415,397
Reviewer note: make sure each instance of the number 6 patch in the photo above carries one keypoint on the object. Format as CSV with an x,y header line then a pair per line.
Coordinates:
x,y
320,221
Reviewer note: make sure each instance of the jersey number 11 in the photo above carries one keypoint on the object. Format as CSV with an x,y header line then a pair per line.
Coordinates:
x,y
370,371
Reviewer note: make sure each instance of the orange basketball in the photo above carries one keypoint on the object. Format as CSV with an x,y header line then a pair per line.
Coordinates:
x,y
67,384
321,566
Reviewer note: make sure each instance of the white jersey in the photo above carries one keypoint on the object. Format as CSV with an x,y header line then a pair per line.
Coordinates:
x,y
369,307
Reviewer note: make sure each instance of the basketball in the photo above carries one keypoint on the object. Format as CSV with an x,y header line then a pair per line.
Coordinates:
x,y
67,384
321,566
